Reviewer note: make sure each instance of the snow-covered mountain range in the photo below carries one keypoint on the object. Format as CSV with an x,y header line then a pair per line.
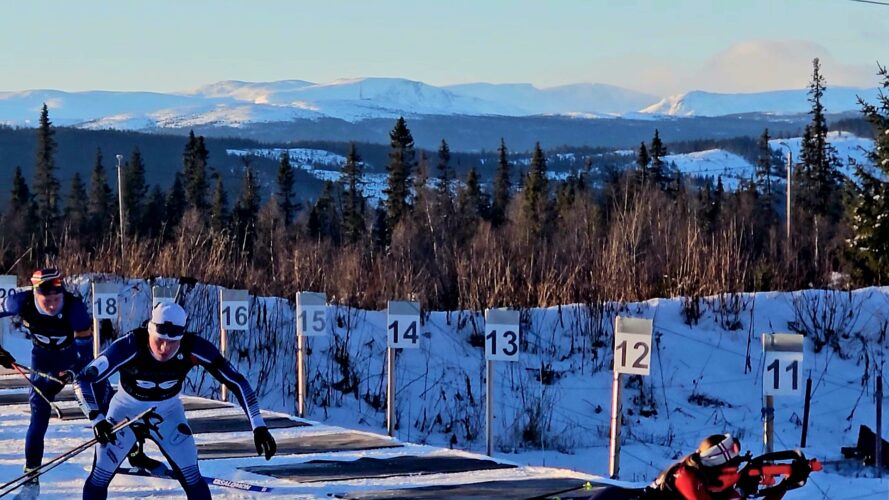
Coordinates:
x,y
238,104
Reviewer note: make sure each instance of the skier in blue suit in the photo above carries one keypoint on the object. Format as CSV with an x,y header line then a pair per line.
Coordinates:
x,y
153,363
61,332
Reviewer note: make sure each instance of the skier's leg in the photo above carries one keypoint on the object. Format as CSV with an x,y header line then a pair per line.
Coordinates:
x,y
40,412
106,460
173,437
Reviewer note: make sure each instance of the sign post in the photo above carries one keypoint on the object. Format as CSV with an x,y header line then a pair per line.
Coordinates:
x,y
311,321
106,305
781,376
234,315
502,343
632,355
7,288
402,332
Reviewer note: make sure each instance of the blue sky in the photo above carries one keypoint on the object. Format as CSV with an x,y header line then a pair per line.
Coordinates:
x,y
661,47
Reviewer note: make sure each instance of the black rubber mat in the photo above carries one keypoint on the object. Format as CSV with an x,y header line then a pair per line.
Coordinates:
x,y
518,488
17,398
321,443
366,468
236,422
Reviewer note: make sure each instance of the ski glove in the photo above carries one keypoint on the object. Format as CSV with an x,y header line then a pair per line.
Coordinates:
x,y
6,359
66,377
265,443
104,432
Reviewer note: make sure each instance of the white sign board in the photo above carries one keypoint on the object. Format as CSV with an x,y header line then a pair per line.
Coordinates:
x,y
106,303
783,368
632,345
162,294
234,310
7,288
501,335
311,314
403,325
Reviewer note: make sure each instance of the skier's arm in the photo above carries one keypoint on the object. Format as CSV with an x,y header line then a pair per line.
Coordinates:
x,y
83,332
108,362
689,486
211,359
11,304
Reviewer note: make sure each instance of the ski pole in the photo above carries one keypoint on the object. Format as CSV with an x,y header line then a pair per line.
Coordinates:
x,y
38,391
64,457
40,373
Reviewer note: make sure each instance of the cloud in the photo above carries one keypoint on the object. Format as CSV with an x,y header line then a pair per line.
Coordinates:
x,y
760,65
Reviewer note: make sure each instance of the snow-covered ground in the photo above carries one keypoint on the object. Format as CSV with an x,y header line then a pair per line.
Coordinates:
x,y
705,378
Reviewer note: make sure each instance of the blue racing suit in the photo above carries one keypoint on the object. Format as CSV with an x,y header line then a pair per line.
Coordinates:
x,y
54,351
146,382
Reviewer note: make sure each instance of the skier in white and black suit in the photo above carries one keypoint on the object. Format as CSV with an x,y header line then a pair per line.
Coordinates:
x,y
153,362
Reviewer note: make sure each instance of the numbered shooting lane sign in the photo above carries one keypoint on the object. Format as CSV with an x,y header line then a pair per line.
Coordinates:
x,y
311,314
162,294
234,309
783,368
106,303
403,325
632,345
7,286
501,335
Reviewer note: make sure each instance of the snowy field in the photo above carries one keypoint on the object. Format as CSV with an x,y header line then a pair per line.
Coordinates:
x,y
705,378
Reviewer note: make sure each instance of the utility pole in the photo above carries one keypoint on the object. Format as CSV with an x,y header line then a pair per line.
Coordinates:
x,y
120,206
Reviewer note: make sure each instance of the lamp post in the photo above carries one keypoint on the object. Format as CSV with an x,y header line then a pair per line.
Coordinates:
x,y
789,171
120,207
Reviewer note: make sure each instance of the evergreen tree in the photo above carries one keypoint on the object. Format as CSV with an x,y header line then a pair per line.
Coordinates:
x,y
502,186
819,178
156,205
536,194
401,165
246,209
643,161
100,208
18,221
284,195
378,231
194,170
472,204
763,171
353,198
657,173
869,204
323,219
219,210
444,197
174,203
135,191
46,185
76,207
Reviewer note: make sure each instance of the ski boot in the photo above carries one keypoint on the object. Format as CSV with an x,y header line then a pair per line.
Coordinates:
x,y
31,489
139,460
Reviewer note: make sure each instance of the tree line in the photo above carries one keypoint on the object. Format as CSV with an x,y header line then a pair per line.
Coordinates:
x,y
453,241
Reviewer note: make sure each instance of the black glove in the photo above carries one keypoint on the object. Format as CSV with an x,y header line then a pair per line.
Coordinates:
x,y
265,443
104,432
6,359
66,377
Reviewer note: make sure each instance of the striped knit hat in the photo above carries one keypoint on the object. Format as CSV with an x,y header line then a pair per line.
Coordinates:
x,y
48,280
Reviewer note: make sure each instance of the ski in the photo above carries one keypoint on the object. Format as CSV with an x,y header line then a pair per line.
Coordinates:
x,y
48,466
166,473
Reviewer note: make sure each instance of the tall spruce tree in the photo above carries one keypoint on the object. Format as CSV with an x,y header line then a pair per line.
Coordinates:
x,y
156,205
19,219
219,209
444,194
657,173
869,204
246,209
46,184
401,165
100,209
502,186
536,194
764,162
135,191
818,175
471,204
643,160
175,204
76,208
353,200
194,170
284,194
